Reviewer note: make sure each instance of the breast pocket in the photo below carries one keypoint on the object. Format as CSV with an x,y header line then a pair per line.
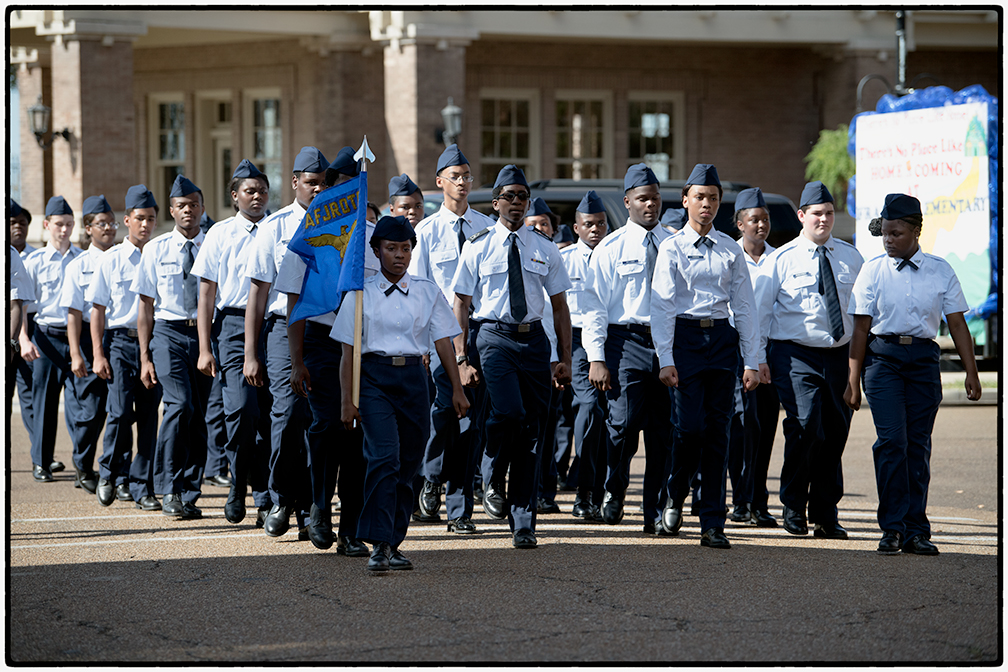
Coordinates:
x,y
536,267
493,276
845,287
803,288
631,273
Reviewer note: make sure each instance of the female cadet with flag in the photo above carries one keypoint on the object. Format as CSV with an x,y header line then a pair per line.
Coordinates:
x,y
402,316
897,304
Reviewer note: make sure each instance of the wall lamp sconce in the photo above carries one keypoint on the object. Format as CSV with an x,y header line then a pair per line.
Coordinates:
x,y
451,115
38,119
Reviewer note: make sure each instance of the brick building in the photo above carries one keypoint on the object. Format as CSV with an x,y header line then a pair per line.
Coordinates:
x,y
148,94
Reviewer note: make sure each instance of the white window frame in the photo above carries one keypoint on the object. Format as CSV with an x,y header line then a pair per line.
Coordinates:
x,y
677,167
608,136
155,164
249,96
531,96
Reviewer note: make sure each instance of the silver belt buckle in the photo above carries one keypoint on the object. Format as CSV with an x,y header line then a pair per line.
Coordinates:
x,y
706,323
524,328
398,361
905,340
190,323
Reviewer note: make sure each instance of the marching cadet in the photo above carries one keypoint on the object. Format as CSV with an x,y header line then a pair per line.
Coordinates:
x,y
21,292
502,273
90,389
590,226
289,480
451,454
394,402
617,339
897,304
804,333
699,272
221,266
49,348
19,373
760,407
315,365
114,330
406,199
168,293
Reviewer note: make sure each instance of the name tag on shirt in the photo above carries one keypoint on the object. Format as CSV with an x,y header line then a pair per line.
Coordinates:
x,y
166,268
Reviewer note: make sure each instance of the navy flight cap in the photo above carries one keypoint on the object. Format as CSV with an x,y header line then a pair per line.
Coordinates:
x,y
750,198
182,186
246,169
898,206
402,185
638,175
674,217
15,208
57,205
451,156
509,174
591,204
344,163
703,175
815,193
539,207
310,160
95,205
396,229
139,196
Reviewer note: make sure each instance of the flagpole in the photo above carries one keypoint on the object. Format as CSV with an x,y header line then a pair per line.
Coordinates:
x,y
363,153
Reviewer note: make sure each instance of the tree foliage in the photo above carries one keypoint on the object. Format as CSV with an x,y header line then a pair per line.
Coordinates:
x,y
830,163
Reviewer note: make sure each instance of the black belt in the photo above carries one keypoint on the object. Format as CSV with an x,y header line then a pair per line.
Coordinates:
x,y
240,312
60,332
633,328
373,358
124,331
702,322
896,339
523,328
179,323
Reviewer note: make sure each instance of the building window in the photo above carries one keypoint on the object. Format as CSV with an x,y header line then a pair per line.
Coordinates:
x,y
655,130
266,141
168,151
583,135
508,132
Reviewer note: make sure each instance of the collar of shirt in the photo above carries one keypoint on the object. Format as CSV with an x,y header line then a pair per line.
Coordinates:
x,y
635,233
582,247
504,235
811,246
448,215
691,235
404,283
129,249
917,259
52,252
249,225
181,240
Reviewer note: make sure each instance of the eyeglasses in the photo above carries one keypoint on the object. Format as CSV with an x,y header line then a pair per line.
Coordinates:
x,y
104,225
510,196
458,179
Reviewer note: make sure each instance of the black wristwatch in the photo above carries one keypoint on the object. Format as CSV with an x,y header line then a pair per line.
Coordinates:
x,y
461,359
16,346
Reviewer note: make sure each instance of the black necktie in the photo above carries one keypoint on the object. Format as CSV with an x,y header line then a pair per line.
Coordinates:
x,y
828,290
516,285
461,236
394,286
189,281
703,240
651,254
906,262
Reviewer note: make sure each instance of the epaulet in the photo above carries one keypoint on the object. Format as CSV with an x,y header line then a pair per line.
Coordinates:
x,y
844,242
542,234
476,236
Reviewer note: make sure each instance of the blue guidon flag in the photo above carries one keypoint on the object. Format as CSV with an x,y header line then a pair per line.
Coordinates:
x,y
331,242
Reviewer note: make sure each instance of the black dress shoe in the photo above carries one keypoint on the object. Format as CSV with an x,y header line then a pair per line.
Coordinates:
x,y
583,505
148,503
493,502
277,521
920,545
795,522
41,474
478,490
761,518
890,543
122,493
351,547
714,538
524,538
88,480
829,531
546,506
303,534
171,505
399,561
612,508
319,529
672,516
261,515
430,498
654,527
56,466
461,525
419,517
219,480
379,561
106,492
740,514
234,507
190,511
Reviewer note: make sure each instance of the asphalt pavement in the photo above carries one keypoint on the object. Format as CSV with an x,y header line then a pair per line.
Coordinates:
x,y
94,585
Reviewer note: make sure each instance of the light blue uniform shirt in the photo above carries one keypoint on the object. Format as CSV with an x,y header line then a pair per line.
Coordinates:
x,y
697,282
616,287
755,266
436,255
47,269
482,273
27,306
270,248
788,302
576,258
79,279
907,302
112,285
159,274
224,259
402,323
20,285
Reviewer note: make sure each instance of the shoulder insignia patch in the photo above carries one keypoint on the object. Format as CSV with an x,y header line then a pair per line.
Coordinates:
x,y
478,235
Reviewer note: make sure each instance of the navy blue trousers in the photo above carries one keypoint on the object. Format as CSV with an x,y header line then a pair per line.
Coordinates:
x,y
19,375
216,460
589,406
548,466
129,403
811,383
517,373
903,387
394,407
181,443
740,448
289,480
336,454
707,364
566,457
761,413
638,401
246,409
